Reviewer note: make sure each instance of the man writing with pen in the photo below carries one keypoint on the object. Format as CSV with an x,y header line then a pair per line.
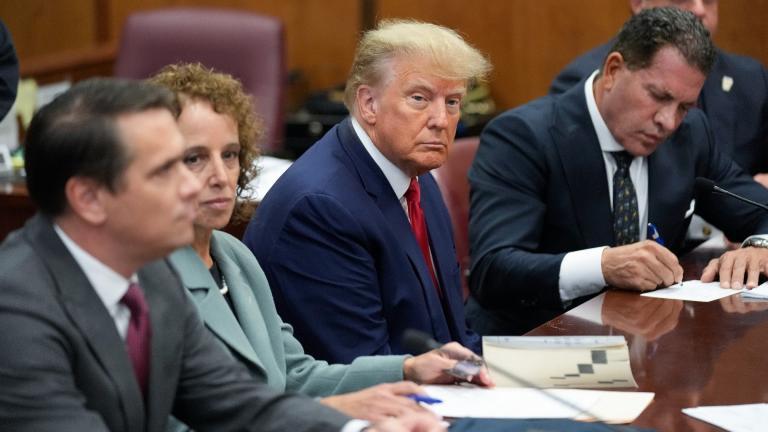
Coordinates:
x,y
568,192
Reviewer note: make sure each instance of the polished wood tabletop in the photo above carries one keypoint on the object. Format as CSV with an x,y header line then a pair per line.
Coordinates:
x,y
689,353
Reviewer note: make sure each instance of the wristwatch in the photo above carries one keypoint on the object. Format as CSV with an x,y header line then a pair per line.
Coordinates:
x,y
755,241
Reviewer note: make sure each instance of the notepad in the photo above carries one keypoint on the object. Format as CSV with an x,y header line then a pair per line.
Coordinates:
x,y
734,418
558,361
693,290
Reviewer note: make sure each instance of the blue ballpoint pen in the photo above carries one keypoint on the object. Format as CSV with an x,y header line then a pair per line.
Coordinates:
x,y
424,399
653,234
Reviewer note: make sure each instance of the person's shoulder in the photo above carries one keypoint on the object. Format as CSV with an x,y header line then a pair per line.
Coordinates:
x,y
231,245
735,63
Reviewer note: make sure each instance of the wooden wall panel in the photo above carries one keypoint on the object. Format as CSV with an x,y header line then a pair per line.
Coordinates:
x,y
43,27
529,41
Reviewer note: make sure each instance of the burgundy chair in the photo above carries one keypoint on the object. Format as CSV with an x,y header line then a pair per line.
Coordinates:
x,y
452,180
246,45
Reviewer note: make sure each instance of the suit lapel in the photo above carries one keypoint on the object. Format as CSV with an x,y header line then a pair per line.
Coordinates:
x,y
582,162
376,185
86,310
211,305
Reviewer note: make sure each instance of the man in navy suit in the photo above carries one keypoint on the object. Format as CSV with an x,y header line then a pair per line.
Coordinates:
x,y
559,180
354,238
734,96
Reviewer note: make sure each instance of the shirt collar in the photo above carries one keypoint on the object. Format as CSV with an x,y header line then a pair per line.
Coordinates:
x,y
607,142
110,286
398,180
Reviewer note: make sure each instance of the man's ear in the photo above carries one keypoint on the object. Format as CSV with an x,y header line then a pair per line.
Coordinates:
x,y
614,64
85,199
636,5
367,105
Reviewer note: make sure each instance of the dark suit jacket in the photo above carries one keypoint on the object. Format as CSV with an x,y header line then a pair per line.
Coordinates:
x,y
64,367
9,71
739,116
538,189
341,259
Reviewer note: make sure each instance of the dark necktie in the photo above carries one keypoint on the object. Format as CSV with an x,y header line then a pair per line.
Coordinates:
x,y
137,338
419,227
625,215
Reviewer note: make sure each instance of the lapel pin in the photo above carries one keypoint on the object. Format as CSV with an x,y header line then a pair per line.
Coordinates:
x,y
727,83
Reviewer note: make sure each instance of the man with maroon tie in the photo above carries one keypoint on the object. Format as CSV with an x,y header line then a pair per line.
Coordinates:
x,y
98,333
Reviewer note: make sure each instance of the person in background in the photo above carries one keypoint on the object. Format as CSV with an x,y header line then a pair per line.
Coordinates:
x,y
734,96
563,189
9,71
354,238
227,284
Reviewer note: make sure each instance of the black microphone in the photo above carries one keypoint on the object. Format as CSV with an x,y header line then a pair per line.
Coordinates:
x,y
707,186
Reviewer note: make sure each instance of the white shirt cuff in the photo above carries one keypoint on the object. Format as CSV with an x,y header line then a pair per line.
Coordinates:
x,y
355,425
581,273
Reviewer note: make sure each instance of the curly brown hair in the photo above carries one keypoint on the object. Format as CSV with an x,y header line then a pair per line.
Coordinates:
x,y
226,95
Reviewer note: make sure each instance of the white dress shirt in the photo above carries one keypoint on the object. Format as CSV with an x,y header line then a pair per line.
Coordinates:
x,y
580,271
110,286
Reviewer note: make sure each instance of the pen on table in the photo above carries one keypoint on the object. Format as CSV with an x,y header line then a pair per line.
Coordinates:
x,y
424,399
653,234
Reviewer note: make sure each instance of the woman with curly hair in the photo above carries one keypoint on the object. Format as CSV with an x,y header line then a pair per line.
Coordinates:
x,y
227,284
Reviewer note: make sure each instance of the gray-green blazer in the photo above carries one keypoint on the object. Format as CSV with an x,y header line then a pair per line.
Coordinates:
x,y
261,339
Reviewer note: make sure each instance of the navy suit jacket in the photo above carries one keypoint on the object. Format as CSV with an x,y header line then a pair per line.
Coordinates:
x,y
538,189
341,259
738,116
64,366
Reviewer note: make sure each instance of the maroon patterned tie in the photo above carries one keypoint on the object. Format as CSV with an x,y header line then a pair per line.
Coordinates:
x,y
419,227
138,336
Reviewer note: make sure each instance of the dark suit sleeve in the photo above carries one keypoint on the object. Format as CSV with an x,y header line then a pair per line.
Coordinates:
x,y
216,392
38,391
567,78
508,187
325,282
9,71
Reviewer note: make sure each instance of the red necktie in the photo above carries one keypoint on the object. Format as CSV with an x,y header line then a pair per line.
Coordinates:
x,y
137,338
419,227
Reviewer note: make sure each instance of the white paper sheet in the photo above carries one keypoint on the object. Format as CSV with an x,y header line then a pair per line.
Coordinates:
x,y
693,290
734,418
760,292
520,403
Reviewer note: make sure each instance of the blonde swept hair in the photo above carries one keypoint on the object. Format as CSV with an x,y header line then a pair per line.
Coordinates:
x,y
193,81
450,56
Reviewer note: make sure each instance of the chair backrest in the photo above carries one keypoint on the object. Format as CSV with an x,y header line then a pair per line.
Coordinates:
x,y
452,179
245,45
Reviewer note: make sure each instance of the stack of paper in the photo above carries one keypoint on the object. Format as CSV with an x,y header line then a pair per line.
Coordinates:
x,y
761,292
529,403
559,361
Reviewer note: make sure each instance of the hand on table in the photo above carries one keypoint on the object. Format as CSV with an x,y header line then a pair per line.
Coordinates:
x,y
734,266
429,368
641,266
378,402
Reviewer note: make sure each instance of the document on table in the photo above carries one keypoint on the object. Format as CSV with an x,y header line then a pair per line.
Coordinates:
x,y
733,418
759,292
558,361
524,403
693,290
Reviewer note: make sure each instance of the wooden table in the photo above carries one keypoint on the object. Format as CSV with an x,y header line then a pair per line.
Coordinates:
x,y
688,353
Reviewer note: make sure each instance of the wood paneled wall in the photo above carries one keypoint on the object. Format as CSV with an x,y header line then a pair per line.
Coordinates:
x,y
528,41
